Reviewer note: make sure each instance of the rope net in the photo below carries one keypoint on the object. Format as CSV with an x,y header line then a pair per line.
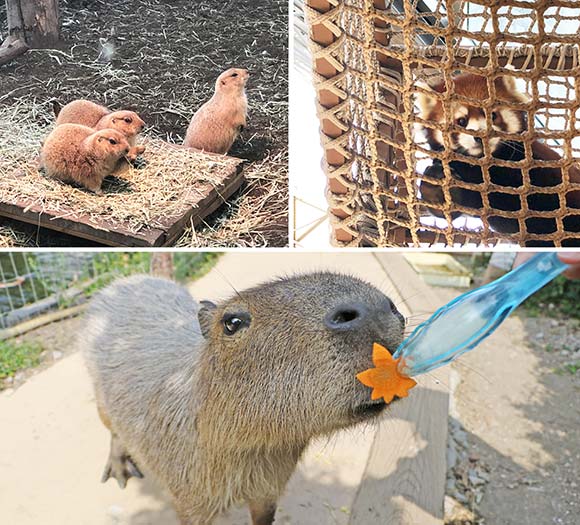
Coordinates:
x,y
449,122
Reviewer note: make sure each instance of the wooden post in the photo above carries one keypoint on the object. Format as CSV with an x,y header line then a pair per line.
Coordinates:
x,y
162,265
31,24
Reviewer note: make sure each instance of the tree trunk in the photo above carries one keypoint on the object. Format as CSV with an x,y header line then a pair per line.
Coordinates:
x,y
162,265
31,24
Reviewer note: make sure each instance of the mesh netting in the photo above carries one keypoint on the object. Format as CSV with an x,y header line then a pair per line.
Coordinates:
x,y
449,122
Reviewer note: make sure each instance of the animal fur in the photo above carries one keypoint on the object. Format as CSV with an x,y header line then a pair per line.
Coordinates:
x,y
223,419
218,123
87,113
79,154
504,119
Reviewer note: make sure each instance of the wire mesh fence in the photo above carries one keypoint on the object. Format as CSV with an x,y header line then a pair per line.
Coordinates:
x,y
32,284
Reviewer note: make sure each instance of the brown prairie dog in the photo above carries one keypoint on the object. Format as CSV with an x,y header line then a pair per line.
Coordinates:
x,y
87,113
75,153
218,123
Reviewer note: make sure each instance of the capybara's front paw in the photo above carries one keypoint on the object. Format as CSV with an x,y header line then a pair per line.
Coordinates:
x,y
122,468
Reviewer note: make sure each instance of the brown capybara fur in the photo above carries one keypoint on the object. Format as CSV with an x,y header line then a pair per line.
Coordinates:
x,y
93,115
218,123
218,402
79,154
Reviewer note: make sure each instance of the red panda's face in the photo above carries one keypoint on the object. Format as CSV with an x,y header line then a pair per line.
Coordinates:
x,y
473,118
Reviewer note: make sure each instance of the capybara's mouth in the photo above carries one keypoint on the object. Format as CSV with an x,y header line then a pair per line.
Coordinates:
x,y
369,410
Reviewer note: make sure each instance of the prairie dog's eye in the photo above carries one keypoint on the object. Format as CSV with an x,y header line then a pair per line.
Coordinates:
x,y
128,120
234,74
113,141
462,121
232,324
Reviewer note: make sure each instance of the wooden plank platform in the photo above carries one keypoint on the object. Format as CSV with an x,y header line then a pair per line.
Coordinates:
x,y
191,204
404,480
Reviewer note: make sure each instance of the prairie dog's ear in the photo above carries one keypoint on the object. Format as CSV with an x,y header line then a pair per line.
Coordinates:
x,y
205,316
114,119
424,101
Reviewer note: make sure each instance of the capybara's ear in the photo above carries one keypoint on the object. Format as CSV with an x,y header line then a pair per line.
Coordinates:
x,y
205,316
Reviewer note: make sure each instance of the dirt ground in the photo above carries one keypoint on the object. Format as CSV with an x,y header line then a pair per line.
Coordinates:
x,y
161,59
514,452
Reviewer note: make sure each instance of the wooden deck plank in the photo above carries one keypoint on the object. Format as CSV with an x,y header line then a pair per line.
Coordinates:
x,y
404,481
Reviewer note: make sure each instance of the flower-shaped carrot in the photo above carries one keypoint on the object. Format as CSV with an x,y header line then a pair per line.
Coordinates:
x,y
385,380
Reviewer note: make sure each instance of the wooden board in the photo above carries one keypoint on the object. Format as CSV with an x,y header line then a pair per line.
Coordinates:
x,y
196,206
404,480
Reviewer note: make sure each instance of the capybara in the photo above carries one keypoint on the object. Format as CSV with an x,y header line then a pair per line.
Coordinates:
x,y
217,124
79,154
93,115
219,402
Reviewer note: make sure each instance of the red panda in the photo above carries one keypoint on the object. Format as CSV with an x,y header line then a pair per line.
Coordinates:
x,y
507,120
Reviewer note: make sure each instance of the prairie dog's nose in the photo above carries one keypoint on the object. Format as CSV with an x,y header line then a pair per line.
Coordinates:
x,y
346,316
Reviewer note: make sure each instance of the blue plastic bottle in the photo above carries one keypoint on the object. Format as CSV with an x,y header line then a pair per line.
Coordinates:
x,y
462,324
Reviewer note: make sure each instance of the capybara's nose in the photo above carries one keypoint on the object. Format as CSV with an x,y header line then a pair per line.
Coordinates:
x,y
346,316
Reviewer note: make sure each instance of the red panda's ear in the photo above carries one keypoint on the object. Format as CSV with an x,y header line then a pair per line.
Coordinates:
x,y
507,89
507,82
424,101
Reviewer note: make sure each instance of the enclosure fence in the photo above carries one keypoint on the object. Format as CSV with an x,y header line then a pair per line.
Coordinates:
x,y
32,284
387,184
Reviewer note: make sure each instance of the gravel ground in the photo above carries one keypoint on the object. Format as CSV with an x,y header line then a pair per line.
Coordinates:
x,y
512,455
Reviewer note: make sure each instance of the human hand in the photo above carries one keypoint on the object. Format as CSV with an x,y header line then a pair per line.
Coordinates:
x,y
571,258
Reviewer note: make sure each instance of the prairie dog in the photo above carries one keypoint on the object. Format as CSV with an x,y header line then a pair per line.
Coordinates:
x,y
218,401
218,123
93,115
75,153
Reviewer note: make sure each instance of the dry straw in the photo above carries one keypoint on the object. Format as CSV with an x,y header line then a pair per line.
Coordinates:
x,y
136,199
369,60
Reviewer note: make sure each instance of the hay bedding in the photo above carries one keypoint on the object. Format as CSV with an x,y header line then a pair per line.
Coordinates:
x,y
136,199
165,61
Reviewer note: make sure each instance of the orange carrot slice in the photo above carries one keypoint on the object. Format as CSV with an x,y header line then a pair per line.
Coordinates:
x,y
385,379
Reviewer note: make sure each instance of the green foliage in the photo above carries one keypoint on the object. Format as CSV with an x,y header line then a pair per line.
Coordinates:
x,y
562,293
570,368
107,267
193,265
17,356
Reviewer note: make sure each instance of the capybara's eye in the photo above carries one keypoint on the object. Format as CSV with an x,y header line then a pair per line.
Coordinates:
x,y
113,141
128,120
232,324
462,122
234,74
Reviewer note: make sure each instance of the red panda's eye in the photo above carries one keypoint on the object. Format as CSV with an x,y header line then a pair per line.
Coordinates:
x,y
462,122
113,141
494,115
